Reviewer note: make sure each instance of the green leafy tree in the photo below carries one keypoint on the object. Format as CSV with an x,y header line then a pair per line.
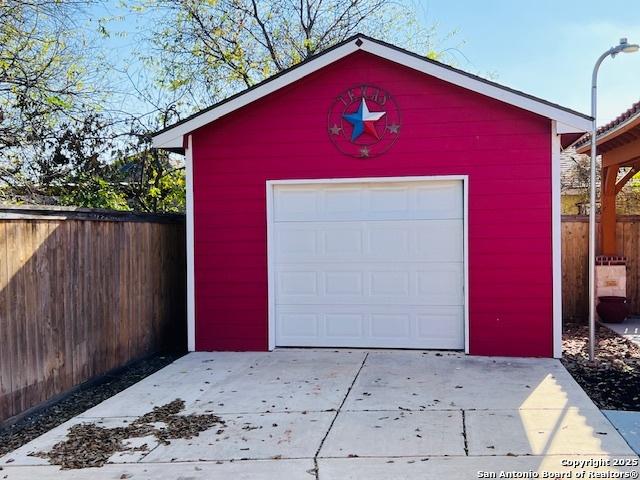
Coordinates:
x,y
59,143
210,49
49,130
41,80
94,192
63,138
152,180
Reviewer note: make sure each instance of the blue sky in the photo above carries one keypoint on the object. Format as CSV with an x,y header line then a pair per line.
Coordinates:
x,y
547,47
543,47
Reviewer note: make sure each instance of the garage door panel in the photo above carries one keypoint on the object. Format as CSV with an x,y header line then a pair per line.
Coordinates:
x,y
441,284
442,326
298,325
384,326
294,284
342,240
391,241
296,242
369,265
390,326
382,240
371,201
440,200
440,241
417,283
339,203
390,199
345,325
389,283
343,282
293,204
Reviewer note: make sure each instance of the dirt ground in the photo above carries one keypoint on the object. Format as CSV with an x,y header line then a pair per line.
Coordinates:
x,y
612,380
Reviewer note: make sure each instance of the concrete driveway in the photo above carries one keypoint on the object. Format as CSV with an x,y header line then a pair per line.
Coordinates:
x,y
352,414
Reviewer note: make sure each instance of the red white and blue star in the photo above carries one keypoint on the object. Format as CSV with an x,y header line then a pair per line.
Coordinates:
x,y
363,121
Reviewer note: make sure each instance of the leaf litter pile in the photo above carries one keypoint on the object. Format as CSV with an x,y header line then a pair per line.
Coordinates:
x,y
85,397
90,445
612,380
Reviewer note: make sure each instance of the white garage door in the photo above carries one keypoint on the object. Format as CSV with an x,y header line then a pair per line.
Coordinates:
x,y
369,264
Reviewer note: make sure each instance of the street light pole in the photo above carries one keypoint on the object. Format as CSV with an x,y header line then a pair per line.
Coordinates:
x,y
626,47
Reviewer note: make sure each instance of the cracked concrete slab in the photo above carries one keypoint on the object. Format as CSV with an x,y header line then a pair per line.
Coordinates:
x,y
400,412
462,468
237,470
239,382
286,381
395,433
195,370
446,380
251,436
543,432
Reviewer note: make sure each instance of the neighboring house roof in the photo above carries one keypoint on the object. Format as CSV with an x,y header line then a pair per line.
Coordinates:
x,y
621,123
569,121
570,178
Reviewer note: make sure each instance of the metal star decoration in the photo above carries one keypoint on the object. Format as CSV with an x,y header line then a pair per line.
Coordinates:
x,y
363,121
393,128
335,130
364,152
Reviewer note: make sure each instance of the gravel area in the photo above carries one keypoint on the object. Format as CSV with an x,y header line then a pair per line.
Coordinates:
x,y
612,380
79,401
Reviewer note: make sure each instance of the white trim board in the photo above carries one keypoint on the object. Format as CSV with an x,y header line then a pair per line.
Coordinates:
x,y
568,122
556,241
270,184
191,296
465,220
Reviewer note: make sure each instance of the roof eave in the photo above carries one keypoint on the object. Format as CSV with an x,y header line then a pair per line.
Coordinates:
x,y
568,121
174,136
610,134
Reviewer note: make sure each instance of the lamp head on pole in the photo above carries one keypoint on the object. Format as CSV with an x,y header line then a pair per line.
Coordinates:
x,y
625,47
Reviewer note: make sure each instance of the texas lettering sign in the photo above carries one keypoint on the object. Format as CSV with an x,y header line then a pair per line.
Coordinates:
x,y
364,121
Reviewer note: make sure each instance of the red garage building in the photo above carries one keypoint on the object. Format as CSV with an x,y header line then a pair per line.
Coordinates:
x,y
370,197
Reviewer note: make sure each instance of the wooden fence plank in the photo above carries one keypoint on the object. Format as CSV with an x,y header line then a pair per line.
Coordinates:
x,y
6,344
83,316
631,230
15,259
65,317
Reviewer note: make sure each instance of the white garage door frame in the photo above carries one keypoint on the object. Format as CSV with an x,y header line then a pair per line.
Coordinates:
x,y
271,184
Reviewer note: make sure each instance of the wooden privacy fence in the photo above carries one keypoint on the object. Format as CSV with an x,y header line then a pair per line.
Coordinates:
x,y
575,254
83,292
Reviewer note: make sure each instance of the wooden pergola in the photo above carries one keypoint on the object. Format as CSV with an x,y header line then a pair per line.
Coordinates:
x,y
618,144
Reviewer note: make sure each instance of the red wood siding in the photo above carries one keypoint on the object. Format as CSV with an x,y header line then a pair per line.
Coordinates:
x,y
446,130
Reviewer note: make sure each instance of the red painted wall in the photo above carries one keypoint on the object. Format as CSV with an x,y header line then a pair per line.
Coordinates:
x,y
445,130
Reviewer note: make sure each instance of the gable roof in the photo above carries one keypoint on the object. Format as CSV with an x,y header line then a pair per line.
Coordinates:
x,y
569,121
